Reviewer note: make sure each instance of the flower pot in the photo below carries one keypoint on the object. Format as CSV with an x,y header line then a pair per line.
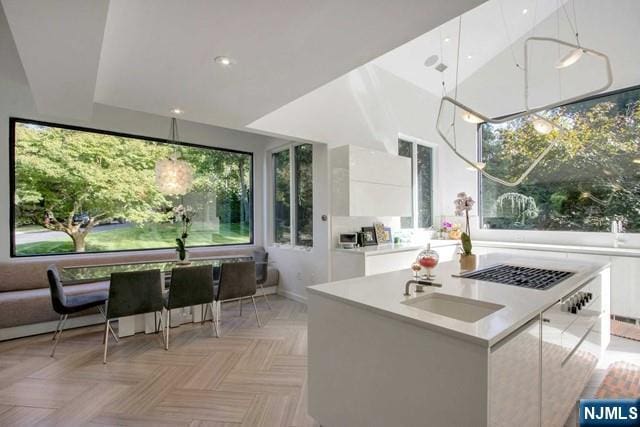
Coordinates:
x,y
183,258
467,262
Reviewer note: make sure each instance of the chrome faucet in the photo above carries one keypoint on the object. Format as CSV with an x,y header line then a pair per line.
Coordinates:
x,y
419,284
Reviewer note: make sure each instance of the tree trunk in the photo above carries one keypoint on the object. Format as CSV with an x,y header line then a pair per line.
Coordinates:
x,y
79,241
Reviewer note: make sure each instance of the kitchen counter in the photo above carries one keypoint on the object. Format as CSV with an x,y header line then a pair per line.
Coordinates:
x,y
395,248
579,249
383,294
497,354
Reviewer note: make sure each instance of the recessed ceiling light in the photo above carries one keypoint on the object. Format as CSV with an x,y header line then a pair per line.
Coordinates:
x,y
524,11
447,39
469,56
224,60
177,111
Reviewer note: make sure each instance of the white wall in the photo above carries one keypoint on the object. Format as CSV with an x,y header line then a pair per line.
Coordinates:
x,y
16,101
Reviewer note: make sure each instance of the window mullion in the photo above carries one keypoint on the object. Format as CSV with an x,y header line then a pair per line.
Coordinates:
x,y
414,185
292,197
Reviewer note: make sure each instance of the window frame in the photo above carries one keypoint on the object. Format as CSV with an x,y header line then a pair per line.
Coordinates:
x,y
479,159
293,220
415,211
12,185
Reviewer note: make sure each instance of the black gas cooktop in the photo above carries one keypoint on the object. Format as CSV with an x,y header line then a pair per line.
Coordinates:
x,y
526,277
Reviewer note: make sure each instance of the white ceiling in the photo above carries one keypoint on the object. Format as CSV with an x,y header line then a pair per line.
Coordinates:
x,y
59,51
395,94
484,35
156,55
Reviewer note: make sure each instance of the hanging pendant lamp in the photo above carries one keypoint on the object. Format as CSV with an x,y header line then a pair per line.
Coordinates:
x,y
174,177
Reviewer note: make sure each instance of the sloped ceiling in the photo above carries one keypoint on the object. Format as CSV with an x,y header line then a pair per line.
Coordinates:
x,y
402,95
156,55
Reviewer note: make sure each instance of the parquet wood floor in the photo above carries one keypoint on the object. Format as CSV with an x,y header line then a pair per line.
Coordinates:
x,y
249,377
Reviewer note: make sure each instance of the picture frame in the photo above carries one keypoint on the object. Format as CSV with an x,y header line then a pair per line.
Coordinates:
x,y
387,237
368,236
379,229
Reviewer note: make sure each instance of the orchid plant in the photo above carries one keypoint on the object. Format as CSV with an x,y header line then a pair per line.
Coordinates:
x,y
464,203
183,214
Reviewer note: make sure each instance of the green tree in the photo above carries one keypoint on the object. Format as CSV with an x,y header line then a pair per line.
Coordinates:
x,y
71,180
591,177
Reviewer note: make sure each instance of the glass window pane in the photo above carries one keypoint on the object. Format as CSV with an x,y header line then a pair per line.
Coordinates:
x,y
304,194
282,197
425,186
88,191
588,180
405,149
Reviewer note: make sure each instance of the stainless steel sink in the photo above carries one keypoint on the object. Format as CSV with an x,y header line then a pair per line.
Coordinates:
x,y
465,309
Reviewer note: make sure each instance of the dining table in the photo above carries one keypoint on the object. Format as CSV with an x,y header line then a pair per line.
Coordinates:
x,y
127,326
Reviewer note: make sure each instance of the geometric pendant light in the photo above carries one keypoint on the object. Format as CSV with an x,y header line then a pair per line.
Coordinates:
x,y
541,124
174,177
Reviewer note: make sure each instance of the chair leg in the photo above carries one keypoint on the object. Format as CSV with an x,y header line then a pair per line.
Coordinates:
x,y
203,312
213,319
167,326
57,327
106,341
256,310
218,307
115,337
161,326
265,297
240,304
58,336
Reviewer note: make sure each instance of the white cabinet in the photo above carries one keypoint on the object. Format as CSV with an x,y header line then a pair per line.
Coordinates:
x,y
369,183
514,379
625,286
359,262
572,343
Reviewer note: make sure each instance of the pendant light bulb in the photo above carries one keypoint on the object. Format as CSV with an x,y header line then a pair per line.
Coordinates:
x,y
470,117
570,58
477,166
542,126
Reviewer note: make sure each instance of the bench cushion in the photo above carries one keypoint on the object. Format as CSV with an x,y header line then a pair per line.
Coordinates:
x,y
34,305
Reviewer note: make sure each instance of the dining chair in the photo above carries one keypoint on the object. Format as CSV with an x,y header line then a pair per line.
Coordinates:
x,y
132,293
237,281
190,286
65,305
261,257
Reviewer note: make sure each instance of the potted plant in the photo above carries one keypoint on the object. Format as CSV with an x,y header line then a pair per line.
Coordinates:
x,y
464,204
183,214
467,258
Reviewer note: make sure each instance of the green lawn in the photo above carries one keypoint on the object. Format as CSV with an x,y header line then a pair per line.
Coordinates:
x,y
151,236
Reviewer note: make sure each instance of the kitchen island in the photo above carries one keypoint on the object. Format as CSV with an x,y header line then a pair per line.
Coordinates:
x,y
467,353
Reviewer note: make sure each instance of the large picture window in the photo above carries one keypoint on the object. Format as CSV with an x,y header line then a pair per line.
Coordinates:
x,y
82,190
293,195
590,179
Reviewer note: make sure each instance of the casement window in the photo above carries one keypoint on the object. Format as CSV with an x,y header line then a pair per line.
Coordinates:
x,y
422,167
293,195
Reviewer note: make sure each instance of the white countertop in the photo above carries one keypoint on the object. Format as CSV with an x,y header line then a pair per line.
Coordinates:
x,y
549,247
392,248
579,249
383,293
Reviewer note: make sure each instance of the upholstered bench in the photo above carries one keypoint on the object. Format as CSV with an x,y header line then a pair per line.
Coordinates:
x,y
25,300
